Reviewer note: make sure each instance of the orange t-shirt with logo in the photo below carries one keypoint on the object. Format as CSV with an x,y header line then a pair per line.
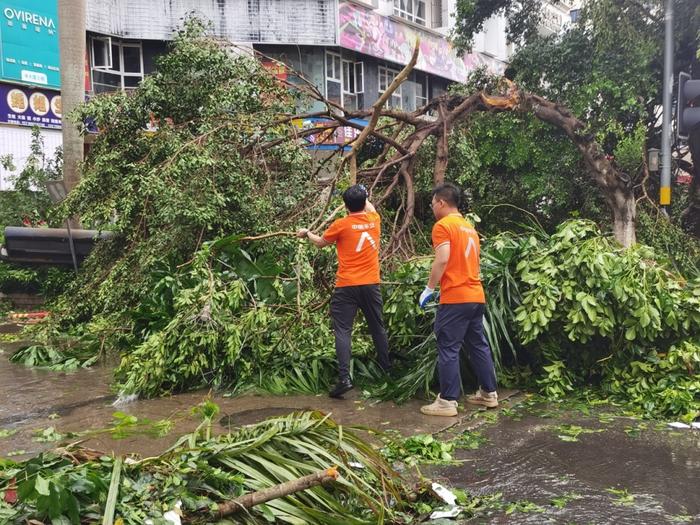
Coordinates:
x,y
461,282
356,237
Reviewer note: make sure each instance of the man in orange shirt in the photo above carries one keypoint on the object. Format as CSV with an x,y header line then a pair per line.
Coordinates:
x,y
460,315
356,237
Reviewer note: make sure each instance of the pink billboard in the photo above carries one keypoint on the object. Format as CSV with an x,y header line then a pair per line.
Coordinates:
x,y
367,32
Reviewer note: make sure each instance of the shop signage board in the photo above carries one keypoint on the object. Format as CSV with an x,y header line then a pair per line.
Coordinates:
x,y
367,32
29,50
30,107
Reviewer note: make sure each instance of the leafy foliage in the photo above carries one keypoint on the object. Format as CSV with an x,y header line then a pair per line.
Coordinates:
x,y
28,204
28,201
200,175
49,282
202,472
420,448
599,309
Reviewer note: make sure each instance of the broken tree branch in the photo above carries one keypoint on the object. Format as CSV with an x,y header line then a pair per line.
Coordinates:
x,y
282,490
376,111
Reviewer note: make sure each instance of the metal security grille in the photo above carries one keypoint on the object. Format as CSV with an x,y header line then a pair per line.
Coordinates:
x,y
306,22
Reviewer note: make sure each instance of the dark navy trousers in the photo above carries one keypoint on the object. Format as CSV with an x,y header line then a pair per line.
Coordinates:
x,y
344,305
457,324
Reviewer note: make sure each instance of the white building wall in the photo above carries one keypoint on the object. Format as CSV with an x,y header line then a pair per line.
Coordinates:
x,y
16,141
304,22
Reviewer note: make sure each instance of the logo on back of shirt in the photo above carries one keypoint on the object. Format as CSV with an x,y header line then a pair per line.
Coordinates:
x,y
365,237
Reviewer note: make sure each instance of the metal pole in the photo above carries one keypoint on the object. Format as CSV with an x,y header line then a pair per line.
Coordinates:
x,y
665,191
72,247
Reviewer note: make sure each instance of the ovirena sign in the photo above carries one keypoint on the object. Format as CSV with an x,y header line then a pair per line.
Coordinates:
x,y
29,39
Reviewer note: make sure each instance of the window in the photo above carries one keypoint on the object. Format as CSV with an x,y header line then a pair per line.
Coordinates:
x,y
413,10
575,14
345,81
386,77
116,65
353,84
422,95
102,53
333,78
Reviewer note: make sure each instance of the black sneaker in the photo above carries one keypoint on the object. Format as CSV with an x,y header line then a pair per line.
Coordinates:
x,y
341,387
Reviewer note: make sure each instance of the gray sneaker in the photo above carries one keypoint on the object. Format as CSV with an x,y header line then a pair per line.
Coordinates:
x,y
487,399
440,407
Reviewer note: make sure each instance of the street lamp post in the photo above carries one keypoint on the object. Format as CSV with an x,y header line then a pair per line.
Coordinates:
x,y
665,190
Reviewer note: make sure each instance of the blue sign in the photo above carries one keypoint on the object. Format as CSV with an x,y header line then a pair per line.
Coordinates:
x,y
30,107
29,40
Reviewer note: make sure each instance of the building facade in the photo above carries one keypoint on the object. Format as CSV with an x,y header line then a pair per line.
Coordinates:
x,y
350,49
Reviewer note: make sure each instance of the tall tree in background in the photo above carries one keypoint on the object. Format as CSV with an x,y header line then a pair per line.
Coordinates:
x,y
607,69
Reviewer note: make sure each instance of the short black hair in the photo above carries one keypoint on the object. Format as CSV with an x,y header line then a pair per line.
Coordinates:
x,y
355,198
449,193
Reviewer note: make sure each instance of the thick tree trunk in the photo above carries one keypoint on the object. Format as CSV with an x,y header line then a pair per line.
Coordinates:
x,y
615,186
442,152
71,31
691,215
624,209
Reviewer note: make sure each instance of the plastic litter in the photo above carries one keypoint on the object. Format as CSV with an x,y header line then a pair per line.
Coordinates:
x,y
678,424
355,464
172,516
444,494
125,399
452,512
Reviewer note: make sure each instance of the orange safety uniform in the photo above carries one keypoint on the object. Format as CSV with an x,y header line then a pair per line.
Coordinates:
x,y
461,282
356,237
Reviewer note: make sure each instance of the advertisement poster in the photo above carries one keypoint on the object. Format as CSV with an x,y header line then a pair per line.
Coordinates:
x,y
328,138
29,42
367,32
30,107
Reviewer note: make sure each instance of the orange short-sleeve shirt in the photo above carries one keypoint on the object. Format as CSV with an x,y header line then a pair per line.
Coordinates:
x,y
356,237
461,282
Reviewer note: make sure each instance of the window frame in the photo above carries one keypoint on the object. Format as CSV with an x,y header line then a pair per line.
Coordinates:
x,y
410,9
389,74
120,73
107,41
350,87
422,80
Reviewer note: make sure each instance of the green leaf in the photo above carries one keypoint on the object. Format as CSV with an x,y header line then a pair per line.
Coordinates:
x,y
41,485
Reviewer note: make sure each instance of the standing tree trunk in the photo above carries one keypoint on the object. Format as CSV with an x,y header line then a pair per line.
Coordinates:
x,y
71,34
617,188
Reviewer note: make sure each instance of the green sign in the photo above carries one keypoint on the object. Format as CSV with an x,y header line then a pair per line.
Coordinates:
x,y
29,42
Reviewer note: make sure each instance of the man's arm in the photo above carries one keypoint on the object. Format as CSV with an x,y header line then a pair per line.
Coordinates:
x,y
316,240
442,255
369,207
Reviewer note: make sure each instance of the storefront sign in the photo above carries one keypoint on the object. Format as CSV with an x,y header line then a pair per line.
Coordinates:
x,y
364,31
29,42
30,107
278,69
328,138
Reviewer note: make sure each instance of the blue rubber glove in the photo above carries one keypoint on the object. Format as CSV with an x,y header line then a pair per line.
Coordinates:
x,y
364,188
425,297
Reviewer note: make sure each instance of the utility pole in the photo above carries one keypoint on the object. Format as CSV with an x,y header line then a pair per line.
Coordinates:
x,y
665,191
71,36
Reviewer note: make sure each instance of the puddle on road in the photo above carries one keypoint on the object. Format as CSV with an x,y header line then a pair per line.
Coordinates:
x,y
527,461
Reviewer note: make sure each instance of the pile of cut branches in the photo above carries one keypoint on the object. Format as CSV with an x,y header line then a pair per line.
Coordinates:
x,y
203,474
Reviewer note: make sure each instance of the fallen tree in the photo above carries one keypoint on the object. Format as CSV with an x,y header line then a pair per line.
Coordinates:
x,y
186,304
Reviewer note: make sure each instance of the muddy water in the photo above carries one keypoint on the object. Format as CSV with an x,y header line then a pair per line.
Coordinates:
x,y
527,461
32,400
